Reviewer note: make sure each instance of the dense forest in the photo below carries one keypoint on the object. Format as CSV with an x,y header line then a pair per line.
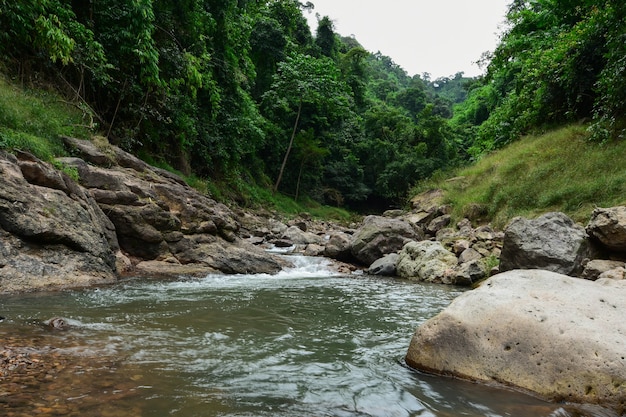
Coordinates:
x,y
244,91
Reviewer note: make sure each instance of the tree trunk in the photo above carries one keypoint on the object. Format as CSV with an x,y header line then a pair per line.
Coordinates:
x,y
299,177
293,135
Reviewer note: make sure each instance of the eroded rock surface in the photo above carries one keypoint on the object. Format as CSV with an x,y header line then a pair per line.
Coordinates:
x,y
560,337
56,232
427,261
52,234
608,226
379,236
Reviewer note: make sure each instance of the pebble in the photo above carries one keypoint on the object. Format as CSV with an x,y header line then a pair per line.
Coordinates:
x,y
39,379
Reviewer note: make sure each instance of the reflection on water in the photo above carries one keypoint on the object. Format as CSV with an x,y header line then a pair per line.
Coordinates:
x,y
305,342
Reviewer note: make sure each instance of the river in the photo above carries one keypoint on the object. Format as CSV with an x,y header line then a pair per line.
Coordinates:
x,y
305,342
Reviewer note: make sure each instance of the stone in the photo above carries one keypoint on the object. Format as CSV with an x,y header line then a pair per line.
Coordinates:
x,y
394,213
338,247
379,236
36,172
608,226
240,258
469,255
559,337
427,261
471,272
277,227
420,218
313,249
438,223
56,233
50,236
614,274
459,246
300,237
385,266
428,201
595,268
552,242
88,151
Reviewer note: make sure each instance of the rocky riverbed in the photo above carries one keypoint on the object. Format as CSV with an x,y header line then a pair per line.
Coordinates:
x,y
66,377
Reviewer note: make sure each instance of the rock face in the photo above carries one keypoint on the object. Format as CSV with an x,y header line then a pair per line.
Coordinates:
x,y
551,242
122,213
159,218
52,234
562,338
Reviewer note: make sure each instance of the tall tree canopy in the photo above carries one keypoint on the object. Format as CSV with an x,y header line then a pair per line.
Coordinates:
x,y
244,90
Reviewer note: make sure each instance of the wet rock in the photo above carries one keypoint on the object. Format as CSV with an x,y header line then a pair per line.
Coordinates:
x,y
57,323
298,236
338,247
384,266
313,249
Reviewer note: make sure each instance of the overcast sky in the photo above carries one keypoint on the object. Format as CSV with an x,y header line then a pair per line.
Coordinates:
x,y
441,37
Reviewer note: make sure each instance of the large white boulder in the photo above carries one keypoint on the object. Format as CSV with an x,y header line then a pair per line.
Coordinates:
x,y
562,338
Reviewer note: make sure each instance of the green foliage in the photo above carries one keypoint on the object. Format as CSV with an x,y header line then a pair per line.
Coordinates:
x,y
32,121
558,62
303,84
558,171
611,86
325,38
70,171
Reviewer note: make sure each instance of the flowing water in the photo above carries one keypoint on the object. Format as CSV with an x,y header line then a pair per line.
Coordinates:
x,y
305,342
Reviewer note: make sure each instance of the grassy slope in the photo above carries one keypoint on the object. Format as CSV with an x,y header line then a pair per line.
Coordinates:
x,y
557,171
32,120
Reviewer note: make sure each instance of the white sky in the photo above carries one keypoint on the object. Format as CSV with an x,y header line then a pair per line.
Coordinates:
x,y
441,37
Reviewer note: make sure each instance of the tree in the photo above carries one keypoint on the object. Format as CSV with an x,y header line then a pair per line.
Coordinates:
x,y
559,61
326,39
303,79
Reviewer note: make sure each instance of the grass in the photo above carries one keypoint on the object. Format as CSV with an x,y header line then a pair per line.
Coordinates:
x,y
557,171
34,120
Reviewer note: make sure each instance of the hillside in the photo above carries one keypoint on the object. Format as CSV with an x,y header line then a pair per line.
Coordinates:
x,y
560,170
251,103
